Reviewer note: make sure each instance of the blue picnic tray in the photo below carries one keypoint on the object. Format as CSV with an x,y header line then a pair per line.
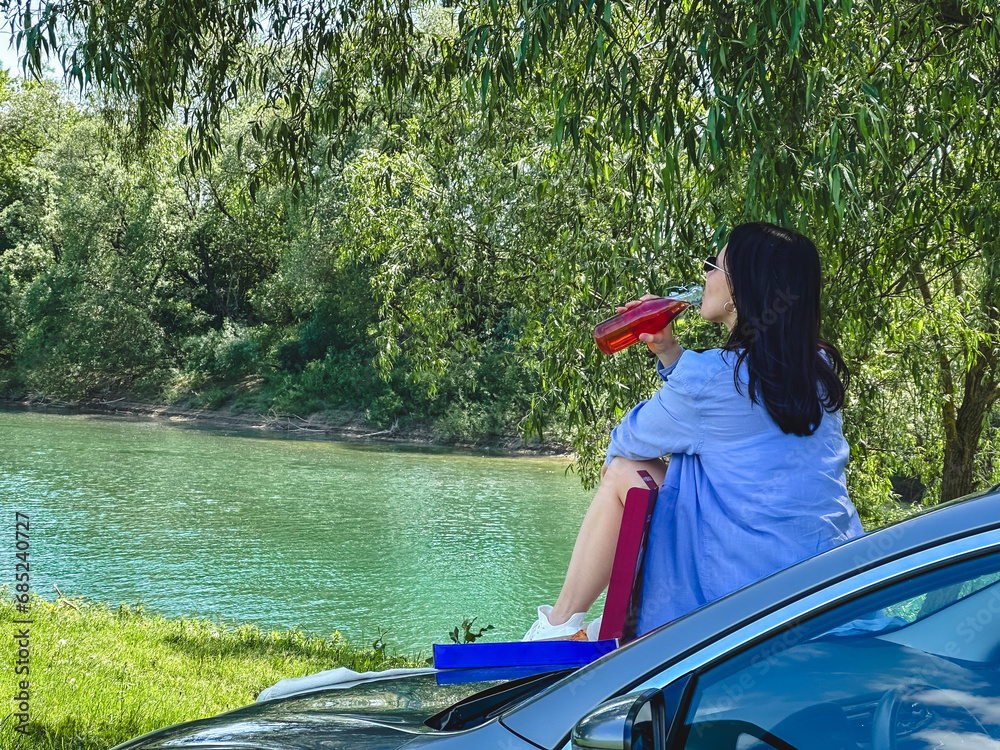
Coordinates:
x,y
521,654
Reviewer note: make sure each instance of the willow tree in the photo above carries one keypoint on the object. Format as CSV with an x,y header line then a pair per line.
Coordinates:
x,y
868,125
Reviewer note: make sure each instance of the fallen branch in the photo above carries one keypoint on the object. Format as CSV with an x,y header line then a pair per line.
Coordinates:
x,y
62,598
391,431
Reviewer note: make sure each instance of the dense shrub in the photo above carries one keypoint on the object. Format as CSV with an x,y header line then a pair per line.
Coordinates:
x,y
81,341
226,354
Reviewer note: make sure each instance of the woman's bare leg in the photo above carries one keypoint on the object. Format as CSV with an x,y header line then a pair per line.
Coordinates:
x,y
594,552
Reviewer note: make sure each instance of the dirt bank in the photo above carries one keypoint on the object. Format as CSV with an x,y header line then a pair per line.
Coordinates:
x,y
342,424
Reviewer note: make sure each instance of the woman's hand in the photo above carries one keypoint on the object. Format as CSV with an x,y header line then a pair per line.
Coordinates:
x,y
662,344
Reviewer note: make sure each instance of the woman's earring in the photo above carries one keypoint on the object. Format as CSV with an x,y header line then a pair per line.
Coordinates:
x,y
726,308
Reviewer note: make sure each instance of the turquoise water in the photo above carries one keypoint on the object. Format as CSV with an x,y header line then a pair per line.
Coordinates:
x,y
315,535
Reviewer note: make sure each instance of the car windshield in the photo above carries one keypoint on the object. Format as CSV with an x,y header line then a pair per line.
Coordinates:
x,y
483,706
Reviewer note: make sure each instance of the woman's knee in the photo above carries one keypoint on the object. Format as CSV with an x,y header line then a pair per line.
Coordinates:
x,y
624,471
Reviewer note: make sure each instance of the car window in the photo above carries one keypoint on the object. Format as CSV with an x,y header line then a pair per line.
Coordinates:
x,y
928,603
916,665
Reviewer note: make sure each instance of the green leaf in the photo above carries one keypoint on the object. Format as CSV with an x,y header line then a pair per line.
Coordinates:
x,y
485,84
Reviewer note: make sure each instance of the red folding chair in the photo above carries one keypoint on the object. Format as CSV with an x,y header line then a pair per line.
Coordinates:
x,y
621,607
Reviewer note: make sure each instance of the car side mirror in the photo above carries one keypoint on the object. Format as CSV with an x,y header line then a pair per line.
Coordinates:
x,y
637,721
633,722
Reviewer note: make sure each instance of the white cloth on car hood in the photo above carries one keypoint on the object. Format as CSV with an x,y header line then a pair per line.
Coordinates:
x,y
342,677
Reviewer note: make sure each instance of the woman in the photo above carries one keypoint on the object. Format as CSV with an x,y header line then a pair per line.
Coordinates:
x,y
755,480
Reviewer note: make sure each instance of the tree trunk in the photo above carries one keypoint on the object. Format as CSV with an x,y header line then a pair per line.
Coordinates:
x,y
963,425
960,450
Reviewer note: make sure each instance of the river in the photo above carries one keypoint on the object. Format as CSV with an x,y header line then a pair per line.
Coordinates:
x,y
317,535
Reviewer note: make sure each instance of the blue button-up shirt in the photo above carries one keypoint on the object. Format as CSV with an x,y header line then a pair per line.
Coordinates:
x,y
741,499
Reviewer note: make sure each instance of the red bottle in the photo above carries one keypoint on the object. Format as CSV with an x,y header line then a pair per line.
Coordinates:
x,y
651,316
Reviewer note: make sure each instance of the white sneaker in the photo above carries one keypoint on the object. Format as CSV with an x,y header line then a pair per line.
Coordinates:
x,y
542,629
594,629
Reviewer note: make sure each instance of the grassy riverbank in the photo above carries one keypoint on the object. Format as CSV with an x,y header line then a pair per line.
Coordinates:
x,y
102,675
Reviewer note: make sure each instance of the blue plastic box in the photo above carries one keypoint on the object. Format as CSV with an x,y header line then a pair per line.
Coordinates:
x,y
521,654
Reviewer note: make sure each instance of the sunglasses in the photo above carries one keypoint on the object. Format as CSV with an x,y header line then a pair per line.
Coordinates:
x,y
709,264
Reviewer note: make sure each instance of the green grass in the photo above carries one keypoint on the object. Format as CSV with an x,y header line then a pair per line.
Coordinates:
x,y
100,675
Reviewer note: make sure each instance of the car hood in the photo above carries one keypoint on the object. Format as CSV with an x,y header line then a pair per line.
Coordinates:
x,y
385,713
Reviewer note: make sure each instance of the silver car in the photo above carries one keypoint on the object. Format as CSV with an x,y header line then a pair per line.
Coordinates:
x,y
889,642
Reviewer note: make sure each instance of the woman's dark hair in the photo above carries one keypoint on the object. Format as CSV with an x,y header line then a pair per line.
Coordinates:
x,y
774,279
